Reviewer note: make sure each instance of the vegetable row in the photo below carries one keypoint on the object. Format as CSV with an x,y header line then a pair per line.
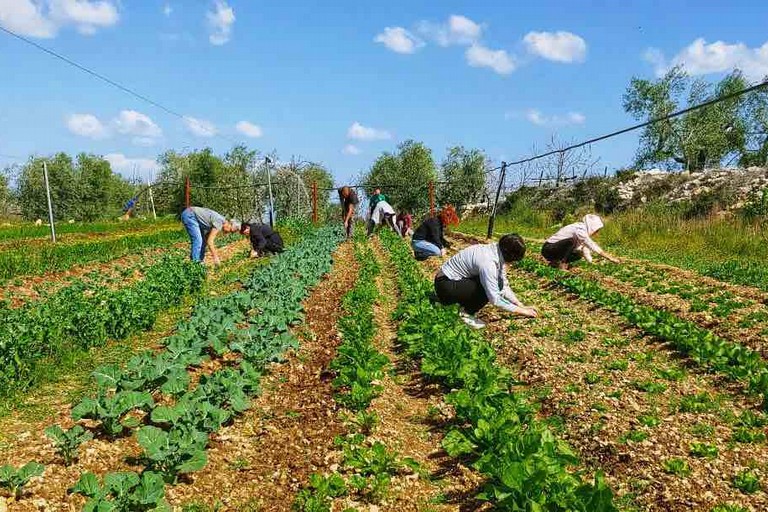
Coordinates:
x,y
253,323
527,467
701,345
367,465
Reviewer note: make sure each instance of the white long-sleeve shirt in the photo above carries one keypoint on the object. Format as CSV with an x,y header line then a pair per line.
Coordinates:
x,y
580,235
485,262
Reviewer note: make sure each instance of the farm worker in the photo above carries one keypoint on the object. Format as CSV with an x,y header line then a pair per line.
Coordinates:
x,y
375,198
405,223
383,213
429,238
573,241
349,200
264,240
202,225
128,208
477,275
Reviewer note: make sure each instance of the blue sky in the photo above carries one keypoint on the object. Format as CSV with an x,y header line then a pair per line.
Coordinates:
x,y
339,82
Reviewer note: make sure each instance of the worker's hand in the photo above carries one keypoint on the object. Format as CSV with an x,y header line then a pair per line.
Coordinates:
x,y
216,260
614,259
443,252
254,254
527,312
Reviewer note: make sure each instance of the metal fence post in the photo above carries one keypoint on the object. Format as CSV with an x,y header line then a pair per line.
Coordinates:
x,y
50,204
492,219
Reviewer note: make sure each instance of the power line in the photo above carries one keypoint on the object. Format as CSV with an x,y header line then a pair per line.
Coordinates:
x,y
644,124
113,83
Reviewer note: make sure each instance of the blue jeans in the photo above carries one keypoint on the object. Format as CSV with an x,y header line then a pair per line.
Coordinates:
x,y
424,249
197,234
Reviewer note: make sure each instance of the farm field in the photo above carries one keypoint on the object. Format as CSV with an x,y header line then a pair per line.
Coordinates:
x,y
326,379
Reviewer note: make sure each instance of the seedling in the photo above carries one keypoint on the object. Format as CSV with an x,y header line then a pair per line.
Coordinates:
x,y
747,482
704,450
676,466
68,441
15,479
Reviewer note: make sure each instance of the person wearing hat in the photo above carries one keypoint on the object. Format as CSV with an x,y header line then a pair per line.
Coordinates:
x,y
202,225
573,241
264,240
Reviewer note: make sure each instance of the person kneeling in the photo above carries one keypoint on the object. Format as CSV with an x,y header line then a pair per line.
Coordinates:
x,y
263,239
573,241
477,275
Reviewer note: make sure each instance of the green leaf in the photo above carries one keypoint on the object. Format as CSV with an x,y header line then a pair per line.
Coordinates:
x,y
196,463
88,486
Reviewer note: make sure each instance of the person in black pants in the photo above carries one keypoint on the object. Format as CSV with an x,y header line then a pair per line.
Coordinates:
x,y
264,240
477,275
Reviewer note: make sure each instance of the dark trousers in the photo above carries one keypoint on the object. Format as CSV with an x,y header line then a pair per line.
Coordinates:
x,y
559,252
468,293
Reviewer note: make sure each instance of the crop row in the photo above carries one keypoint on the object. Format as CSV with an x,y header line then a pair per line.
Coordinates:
x,y
496,427
701,345
253,323
31,231
20,261
79,317
367,465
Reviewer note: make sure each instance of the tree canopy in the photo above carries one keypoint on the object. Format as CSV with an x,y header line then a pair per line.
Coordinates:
x,y
464,171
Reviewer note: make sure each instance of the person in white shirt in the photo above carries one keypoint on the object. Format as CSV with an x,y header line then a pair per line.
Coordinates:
x,y
573,241
477,275
381,214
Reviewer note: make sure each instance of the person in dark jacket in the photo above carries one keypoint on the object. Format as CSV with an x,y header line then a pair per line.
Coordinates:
x,y
428,240
264,240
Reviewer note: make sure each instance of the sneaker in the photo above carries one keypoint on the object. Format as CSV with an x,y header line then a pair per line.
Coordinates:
x,y
472,320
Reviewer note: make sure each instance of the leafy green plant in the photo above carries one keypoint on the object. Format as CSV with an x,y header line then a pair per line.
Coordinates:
x,y
649,420
748,435
636,436
15,479
122,492
747,482
729,507
704,450
676,466
112,411
317,497
68,441
173,453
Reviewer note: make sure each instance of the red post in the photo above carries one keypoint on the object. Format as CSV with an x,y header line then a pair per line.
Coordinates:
x,y
187,193
314,202
432,198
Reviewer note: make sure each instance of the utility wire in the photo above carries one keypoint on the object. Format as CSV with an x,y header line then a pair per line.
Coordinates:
x,y
644,124
113,83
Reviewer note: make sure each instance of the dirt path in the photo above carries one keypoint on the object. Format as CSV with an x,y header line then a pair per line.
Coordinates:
x,y
413,418
261,461
629,405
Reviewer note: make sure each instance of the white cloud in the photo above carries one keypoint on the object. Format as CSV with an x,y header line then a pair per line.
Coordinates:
x,y
86,15
399,40
27,18
249,129
536,117
557,46
44,18
351,149
145,167
87,125
141,126
200,127
458,30
167,10
479,56
701,58
360,132
220,21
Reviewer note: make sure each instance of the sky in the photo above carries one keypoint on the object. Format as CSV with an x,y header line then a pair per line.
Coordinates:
x,y
340,82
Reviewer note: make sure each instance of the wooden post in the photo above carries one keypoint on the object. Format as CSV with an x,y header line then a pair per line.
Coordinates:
x,y
431,198
187,193
314,202
492,219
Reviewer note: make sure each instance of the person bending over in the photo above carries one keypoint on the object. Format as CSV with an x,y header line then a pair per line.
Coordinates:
x,y
573,241
405,224
264,240
349,201
477,275
429,238
381,215
202,225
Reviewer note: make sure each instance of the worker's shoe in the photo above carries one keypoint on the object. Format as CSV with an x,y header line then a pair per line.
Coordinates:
x,y
472,320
